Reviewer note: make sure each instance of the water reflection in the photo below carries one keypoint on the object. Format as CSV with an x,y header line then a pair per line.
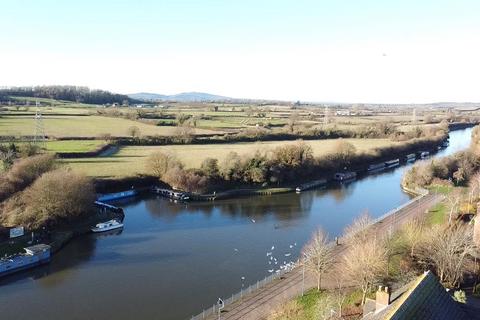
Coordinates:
x,y
64,265
280,207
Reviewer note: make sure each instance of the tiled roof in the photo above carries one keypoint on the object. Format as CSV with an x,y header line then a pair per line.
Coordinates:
x,y
427,299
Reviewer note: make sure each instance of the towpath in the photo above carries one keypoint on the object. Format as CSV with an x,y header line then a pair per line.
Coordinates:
x,y
260,303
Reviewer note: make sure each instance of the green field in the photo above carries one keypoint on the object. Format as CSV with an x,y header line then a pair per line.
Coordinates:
x,y
80,126
131,160
73,145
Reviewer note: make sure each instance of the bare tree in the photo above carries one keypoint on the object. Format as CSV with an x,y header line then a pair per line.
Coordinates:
x,y
475,184
453,199
324,307
133,131
318,255
345,151
339,295
364,264
184,132
413,232
447,251
159,163
358,231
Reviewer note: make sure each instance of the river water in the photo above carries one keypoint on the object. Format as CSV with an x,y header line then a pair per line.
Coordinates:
x,y
172,260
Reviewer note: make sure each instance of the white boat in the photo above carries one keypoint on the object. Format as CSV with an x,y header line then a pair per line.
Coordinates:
x,y
424,154
411,157
392,163
310,185
107,226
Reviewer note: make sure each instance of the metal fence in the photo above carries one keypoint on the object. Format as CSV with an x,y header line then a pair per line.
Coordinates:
x,y
421,194
213,310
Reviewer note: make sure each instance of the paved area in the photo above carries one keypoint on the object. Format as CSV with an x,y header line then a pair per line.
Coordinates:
x,y
260,303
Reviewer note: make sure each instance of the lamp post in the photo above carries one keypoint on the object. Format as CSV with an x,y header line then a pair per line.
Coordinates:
x,y
303,274
241,290
220,305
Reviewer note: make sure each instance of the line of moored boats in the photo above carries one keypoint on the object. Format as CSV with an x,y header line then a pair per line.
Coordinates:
x,y
347,176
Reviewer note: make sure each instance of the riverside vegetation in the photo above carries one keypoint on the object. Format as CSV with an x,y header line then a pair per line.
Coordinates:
x,y
441,241
35,191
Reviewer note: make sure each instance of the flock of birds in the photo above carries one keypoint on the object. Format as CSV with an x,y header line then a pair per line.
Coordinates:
x,y
274,262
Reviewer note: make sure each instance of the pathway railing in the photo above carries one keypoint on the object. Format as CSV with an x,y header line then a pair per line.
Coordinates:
x,y
213,310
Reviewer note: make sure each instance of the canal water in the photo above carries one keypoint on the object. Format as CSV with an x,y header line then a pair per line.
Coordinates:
x,y
172,260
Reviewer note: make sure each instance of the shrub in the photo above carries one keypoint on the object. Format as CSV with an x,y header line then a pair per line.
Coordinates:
x,y
24,172
56,196
159,163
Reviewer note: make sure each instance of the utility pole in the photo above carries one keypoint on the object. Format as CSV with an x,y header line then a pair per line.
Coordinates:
x,y
39,137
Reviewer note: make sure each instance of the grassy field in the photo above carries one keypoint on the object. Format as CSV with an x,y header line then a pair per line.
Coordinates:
x,y
80,126
131,160
73,145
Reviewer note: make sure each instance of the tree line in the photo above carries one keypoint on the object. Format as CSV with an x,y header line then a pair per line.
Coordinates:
x,y
68,93
457,168
289,163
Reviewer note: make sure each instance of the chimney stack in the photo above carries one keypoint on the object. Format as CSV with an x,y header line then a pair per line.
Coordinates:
x,y
382,297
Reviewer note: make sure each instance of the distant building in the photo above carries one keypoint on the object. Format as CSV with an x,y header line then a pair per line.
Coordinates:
x,y
343,113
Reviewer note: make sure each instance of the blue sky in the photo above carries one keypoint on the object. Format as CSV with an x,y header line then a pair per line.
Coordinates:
x,y
343,50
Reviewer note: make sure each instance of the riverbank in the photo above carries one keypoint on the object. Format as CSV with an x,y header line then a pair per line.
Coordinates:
x,y
324,169
258,300
58,237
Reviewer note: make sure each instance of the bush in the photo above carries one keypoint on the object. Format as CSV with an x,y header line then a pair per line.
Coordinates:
x,y
56,196
24,172
187,180
159,163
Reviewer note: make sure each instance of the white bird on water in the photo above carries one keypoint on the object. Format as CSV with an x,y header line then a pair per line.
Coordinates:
x,y
291,246
287,254
271,270
235,249
269,254
273,248
253,220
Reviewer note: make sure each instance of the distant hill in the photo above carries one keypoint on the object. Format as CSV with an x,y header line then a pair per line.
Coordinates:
x,y
181,97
